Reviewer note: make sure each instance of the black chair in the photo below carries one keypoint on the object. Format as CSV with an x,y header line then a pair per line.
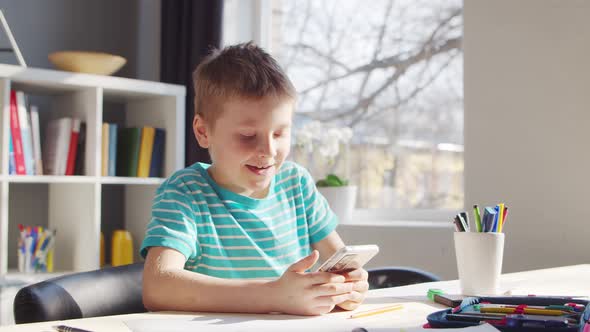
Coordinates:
x,y
398,276
108,291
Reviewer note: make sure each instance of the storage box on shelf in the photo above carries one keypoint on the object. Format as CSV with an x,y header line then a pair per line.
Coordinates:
x,y
75,205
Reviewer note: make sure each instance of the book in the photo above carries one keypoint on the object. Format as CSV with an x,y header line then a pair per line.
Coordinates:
x,y
36,133
145,151
11,164
25,132
111,168
79,164
105,150
56,145
128,151
19,158
73,147
158,153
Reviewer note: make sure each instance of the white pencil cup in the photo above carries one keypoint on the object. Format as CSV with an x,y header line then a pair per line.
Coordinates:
x,y
479,261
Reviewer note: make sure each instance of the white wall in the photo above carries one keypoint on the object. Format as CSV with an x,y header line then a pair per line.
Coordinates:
x,y
527,110
129,28
425,247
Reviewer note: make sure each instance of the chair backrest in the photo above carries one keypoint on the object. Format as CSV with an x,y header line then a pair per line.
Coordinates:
x,y
108,291
394,276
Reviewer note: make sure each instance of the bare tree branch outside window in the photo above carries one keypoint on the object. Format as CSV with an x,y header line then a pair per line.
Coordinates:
x,y
392,71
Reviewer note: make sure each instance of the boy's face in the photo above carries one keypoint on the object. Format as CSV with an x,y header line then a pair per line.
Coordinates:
x,y
248,142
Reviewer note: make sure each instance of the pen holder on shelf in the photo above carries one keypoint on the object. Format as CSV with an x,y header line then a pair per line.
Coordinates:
x,y
35,249
479,261
121,248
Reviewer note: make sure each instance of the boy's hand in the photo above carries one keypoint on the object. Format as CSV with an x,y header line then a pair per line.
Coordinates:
x,y
358,278
316,293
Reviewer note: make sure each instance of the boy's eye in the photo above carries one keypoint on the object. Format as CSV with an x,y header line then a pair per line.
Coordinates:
x,y
279,134
247,137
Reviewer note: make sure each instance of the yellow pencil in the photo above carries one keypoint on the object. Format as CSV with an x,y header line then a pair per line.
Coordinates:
x,y
377,311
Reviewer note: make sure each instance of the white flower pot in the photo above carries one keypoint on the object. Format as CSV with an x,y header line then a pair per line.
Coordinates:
x,y
341,200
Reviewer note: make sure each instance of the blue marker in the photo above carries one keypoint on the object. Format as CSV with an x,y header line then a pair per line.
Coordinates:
x,y
497,213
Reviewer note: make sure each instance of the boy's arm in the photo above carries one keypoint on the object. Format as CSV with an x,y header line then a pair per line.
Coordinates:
x,y
167,286
328,245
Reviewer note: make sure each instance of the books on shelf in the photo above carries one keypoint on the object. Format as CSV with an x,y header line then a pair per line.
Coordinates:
x,y
158,153
56,146
112,161
36,132
61,146
125,151
72,147
25,132
145,151
80,162
140,152
17,142
104,151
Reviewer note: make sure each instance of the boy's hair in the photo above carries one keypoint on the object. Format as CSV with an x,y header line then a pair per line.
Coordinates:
x,y
243,70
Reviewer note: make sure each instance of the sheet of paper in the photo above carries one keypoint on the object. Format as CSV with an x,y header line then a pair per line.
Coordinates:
x,y
279,323
409,319
227,323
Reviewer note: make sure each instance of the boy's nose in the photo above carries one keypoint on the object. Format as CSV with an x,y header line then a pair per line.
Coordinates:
x,y
267,147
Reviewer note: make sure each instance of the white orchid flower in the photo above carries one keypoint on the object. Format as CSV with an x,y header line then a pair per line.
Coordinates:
x,y
346,134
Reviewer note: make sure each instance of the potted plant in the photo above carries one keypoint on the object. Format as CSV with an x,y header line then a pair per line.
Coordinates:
x,y
340,196
323,149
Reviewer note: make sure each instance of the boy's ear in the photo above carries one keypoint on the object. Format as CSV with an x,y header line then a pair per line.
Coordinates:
x,y
201,131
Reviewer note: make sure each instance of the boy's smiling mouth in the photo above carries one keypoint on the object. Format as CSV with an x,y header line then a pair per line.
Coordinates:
x,y
262,170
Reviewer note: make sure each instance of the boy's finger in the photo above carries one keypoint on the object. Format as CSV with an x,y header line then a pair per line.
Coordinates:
x,y
305,263
360,286
349,305
358,274
333,299
325,277
357,297
332,289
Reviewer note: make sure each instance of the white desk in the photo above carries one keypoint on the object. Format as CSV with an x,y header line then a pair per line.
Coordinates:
x,y
570,280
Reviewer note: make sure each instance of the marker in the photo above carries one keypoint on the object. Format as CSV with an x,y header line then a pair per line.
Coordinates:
x,y
466,218
495,222
459,224
500,216
464,222
504,217
477,218
488,218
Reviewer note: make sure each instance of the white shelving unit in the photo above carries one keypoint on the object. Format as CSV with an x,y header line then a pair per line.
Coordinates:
x,y
73,204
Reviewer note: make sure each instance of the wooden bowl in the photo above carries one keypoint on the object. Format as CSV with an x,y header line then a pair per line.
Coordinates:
x,y
87,62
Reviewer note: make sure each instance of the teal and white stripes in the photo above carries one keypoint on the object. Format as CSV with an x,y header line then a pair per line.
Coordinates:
x,y
227,235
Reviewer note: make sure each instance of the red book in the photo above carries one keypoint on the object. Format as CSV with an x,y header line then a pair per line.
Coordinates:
x,y
17,141
73,148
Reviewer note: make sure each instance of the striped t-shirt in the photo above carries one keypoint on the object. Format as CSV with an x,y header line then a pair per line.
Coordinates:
x,y
227,235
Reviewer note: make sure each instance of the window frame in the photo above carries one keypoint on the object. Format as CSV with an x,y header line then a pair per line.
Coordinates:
x,y
257,27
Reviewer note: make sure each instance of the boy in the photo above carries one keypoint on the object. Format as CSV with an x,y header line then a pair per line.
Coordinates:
x,y
238,236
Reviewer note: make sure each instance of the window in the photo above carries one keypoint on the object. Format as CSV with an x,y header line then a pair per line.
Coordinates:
x,y
391,71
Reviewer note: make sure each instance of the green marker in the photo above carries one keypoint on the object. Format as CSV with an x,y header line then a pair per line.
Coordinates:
x,y
477,218
432,292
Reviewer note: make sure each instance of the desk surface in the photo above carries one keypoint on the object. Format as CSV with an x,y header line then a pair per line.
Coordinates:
x,y
569,280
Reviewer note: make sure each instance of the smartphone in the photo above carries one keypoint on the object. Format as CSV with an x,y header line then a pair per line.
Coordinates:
x,y
349,258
